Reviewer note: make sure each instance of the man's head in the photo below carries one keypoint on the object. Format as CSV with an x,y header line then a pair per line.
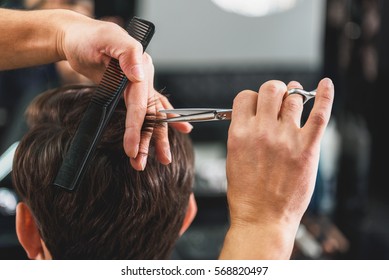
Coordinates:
x,y
116,212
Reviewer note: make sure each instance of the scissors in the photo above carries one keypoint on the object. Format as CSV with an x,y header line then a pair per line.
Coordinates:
x,y
212,114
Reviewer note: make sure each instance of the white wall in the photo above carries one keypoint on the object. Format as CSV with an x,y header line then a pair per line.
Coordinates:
x,y
192,34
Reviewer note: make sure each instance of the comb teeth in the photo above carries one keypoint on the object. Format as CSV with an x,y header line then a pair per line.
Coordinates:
x,y
112,82
141,30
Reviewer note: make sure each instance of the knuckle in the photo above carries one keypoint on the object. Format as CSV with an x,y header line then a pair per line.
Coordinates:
x,y
143,149
144,145
106,27
243,96
236,136
319,118
274,87
147,59
327,97
136,46
240,138
294,84
293,103
233,144
133,126
138,107
148,63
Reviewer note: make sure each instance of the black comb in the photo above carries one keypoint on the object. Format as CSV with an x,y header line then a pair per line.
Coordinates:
x,y
99,112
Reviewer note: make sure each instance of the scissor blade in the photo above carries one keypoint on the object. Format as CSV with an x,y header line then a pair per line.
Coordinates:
x,y
201,117
188,111
197,115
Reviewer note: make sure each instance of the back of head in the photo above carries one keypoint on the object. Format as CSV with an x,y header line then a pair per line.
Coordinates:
x,y
116,212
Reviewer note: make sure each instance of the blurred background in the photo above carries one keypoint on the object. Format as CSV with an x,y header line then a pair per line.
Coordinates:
x,y
205,52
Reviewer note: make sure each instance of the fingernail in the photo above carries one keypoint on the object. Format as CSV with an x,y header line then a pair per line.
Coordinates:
x,y
138,72
134,152
143,161
327,82
188,128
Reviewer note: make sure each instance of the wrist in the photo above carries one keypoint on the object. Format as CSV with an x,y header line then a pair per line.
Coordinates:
x,y
271,240
63,20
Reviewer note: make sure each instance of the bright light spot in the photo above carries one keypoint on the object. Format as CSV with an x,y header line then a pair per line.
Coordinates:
x,y
255,8
8,201
6,160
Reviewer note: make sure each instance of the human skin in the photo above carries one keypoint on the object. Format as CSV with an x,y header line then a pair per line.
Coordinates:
x,y
272,161
272,164
31,38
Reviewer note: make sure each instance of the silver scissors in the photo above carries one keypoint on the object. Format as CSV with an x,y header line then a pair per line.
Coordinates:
x,y
212,114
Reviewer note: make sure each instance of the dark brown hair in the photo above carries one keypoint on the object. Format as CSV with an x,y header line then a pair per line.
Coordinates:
x,y
116,212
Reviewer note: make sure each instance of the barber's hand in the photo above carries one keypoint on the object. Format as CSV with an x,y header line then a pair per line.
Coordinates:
x,y
272,165
89,45
150,103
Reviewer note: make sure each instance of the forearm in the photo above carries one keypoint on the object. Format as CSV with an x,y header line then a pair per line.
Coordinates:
x,y
30,37
252,242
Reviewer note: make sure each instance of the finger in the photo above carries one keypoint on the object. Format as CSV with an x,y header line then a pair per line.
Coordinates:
x,y
270,98
321,111
244,110
140,161
183,127
292,106
162,147
244,106
136,99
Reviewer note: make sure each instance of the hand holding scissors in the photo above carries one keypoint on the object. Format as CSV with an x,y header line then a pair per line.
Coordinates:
x,y
212,114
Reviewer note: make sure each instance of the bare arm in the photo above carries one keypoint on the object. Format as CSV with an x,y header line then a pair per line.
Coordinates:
x,y
31,38
28,38
38,37
272,164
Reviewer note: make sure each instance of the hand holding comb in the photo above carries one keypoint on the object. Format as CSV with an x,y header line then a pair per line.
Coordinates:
x,y
99,112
